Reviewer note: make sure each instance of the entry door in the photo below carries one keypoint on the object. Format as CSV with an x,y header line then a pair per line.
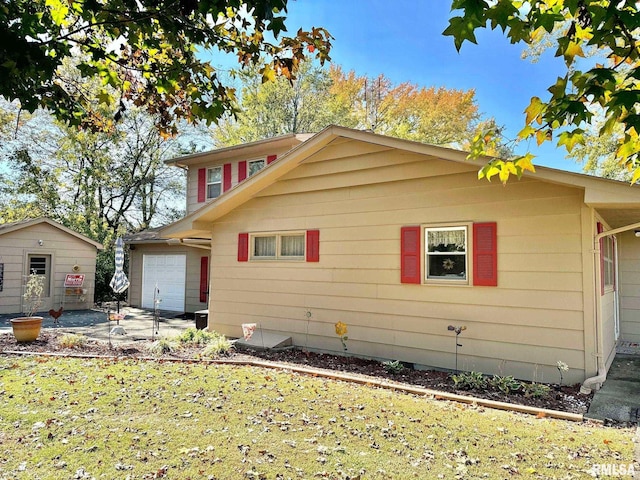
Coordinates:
x,y
165,275
41,265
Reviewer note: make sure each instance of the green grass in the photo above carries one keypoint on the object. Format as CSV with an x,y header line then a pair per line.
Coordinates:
x,y
64,418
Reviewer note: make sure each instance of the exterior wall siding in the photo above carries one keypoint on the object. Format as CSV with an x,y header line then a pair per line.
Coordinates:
x,y
359,203
65,251
629,276
233,160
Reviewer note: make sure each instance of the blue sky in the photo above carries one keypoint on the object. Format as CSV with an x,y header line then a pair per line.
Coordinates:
x,y
403,39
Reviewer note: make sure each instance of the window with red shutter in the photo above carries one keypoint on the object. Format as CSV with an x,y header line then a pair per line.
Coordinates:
x,y
485,254
202,185
271,158
313,245
410,257
242,170
226,177
204,279
243,247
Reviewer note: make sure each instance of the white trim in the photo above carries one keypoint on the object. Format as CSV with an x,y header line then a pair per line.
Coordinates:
x,y
207,182
278,247
256,160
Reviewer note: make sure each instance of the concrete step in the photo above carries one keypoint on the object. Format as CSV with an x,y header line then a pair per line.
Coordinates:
x,y
264,340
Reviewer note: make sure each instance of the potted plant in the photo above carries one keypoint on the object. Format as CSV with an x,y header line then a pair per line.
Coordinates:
x,y
27,328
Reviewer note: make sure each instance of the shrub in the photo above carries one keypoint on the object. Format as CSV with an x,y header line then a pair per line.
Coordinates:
x,y
469,381
218,346
193,336
394,367
535,390
506,384
71,340
162,346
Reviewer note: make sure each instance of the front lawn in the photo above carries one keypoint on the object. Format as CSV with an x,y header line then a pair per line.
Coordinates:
x,y
73,418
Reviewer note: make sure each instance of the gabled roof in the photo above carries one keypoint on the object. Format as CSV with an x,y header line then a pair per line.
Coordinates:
x,y
13,226
287,142
617,200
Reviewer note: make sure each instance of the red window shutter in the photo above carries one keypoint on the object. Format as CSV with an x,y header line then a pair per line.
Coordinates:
x,y
485,254
202,184
226,177
313,245
243,247
204,278
271,158
242,170
410,257
600,229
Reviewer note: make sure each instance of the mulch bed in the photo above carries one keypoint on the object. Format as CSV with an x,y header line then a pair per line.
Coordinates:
x,y
564,398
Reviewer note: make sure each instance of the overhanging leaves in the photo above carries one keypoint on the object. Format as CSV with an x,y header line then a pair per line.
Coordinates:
x,y
146,49
614,89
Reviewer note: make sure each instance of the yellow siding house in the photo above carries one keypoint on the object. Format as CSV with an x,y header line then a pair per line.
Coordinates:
x,y
400,241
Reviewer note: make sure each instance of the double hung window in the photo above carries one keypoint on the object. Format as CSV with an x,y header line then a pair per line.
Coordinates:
x,y
446,253
214,182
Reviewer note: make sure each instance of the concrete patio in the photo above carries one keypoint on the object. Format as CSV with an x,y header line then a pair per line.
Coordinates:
x,y
138,324
619,397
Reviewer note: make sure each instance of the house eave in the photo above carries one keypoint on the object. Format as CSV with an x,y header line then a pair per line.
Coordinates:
x,y
285,141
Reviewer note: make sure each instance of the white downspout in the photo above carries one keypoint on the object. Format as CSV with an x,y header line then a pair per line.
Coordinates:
x,y
596,381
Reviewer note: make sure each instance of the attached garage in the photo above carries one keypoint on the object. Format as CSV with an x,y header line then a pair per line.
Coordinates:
x,y
164,274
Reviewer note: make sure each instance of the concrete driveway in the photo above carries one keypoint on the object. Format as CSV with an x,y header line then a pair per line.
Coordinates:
x,y
138,324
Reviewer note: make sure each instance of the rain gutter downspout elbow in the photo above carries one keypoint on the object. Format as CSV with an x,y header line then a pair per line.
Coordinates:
x,y
595,382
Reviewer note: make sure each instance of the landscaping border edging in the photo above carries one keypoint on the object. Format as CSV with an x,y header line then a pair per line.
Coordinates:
x,y
346,377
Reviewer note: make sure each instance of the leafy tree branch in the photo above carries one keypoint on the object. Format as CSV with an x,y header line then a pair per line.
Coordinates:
x,y
611,88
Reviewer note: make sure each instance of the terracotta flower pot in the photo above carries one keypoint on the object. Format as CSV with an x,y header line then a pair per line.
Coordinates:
x,y
26,329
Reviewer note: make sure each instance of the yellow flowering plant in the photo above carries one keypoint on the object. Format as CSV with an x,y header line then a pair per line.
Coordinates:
x,y
341,331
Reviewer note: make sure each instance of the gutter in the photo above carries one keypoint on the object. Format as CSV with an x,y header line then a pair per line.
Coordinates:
x,y
191,242
597,380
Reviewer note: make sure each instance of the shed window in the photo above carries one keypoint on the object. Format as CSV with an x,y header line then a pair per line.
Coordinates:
x,y
446,253
41,265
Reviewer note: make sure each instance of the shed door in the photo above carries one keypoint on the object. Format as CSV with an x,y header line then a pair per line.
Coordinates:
x,y
41,265
167,274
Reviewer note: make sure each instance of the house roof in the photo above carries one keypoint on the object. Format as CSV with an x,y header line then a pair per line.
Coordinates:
x,y
150,235
288,142
617,202
13,226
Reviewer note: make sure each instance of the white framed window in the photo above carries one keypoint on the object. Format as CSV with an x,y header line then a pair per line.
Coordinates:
x,y
608,264
278,246
446,254
214,182
255,166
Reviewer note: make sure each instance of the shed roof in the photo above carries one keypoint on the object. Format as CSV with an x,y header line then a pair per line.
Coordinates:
x,y
618,202
13,226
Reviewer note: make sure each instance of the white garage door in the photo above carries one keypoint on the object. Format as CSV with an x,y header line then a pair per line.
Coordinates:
x,y
167,273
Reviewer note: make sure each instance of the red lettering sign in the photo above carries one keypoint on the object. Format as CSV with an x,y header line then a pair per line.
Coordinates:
x,y
74,280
